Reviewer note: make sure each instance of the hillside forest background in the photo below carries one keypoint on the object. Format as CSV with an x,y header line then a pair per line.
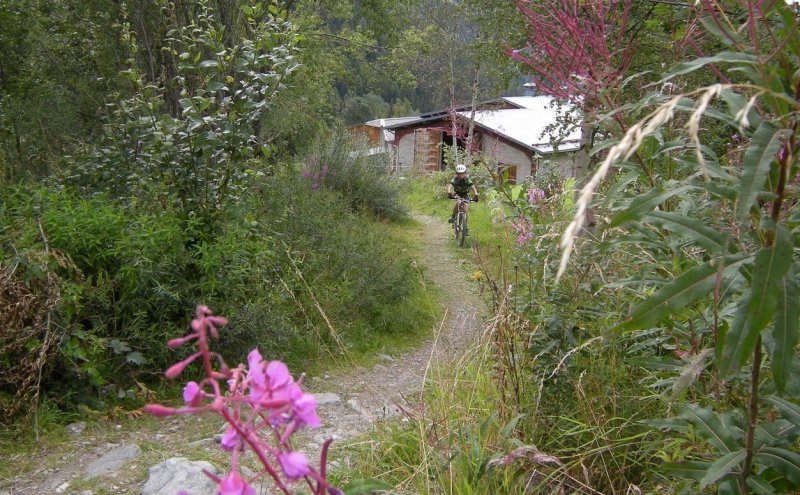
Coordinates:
x,y
643,325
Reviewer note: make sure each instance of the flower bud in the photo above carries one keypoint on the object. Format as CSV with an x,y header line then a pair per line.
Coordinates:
x,y
177,342
177,368
159,410
217,321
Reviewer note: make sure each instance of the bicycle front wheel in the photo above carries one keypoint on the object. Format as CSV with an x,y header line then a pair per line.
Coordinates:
x,y
461,228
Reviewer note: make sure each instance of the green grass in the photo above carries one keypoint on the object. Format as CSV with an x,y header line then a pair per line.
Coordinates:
x,y
399,326
429,196
447,448
520,389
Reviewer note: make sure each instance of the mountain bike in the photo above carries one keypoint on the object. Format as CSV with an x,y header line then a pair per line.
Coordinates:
x,y
460,221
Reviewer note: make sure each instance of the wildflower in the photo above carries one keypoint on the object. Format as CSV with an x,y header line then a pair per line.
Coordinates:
x,y
305,410
231,439
255,373
278,374
233,484
477,275
293,464
192,394
524,230
268,389
535,195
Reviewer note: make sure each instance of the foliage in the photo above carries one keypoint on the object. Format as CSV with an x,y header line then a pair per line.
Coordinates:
x,y
360,177
29,292
55,56
360,109
718,282
189,140
295,271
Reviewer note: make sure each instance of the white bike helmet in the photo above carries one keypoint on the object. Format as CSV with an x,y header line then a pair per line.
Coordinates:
x,y
461,168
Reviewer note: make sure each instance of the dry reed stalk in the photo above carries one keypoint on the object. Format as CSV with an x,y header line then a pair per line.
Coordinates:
x,y
624,149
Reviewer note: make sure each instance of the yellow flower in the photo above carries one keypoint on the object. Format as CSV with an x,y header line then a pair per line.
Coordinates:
x,y
477,275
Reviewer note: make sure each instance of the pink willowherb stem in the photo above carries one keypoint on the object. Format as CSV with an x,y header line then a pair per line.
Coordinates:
x,y
263,406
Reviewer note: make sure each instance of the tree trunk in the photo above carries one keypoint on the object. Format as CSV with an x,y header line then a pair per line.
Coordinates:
x,y
474,104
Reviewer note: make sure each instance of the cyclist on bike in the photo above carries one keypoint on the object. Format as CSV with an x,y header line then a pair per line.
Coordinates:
x,y
460,187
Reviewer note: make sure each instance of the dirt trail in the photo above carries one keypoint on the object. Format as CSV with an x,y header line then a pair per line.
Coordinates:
x,y
349,402
387,389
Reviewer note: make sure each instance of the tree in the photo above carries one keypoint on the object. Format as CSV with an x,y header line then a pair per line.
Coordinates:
x,y
578,52
194,151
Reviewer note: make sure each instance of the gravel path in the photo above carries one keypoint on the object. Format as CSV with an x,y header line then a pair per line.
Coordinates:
x,y
353,400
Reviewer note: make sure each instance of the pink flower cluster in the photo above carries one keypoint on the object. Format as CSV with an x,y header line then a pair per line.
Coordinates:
x,y
535,195
263,405
524,230
315,174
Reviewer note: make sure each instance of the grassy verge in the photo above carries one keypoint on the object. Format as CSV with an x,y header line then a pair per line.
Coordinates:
x,y
448,448
398,326
546,404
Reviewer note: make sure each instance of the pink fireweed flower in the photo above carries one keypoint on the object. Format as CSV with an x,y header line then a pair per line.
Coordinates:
x,y
305,409
256,374
535,195
294,465
524,230
233,484
231,439
278,374
260,401
193,394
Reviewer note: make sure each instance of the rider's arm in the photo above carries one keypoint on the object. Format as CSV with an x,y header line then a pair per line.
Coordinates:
x,y
450,190
474,191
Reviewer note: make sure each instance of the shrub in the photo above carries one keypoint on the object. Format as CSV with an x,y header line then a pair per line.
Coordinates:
x,y
297,270
345,165
347,266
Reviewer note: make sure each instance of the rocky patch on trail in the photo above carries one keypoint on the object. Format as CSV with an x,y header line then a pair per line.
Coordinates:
x,y
179,473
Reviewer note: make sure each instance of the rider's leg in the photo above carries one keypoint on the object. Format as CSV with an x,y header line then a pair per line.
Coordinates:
x,y
453,215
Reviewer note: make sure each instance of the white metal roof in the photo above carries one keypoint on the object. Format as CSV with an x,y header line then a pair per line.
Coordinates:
x,y
390,121
527,125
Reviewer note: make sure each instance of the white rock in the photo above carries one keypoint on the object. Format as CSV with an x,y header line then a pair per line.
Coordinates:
x,y
325,399
385,358
62,488
179,473
76,428
355,406
112,460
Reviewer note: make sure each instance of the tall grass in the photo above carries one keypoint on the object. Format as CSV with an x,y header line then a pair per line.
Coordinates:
x,y
547,402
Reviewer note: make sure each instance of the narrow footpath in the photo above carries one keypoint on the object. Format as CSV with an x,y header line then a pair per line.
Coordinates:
x,y
351,402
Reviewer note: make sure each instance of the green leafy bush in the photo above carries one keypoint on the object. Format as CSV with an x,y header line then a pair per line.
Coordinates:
x,y
346,265
296,271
